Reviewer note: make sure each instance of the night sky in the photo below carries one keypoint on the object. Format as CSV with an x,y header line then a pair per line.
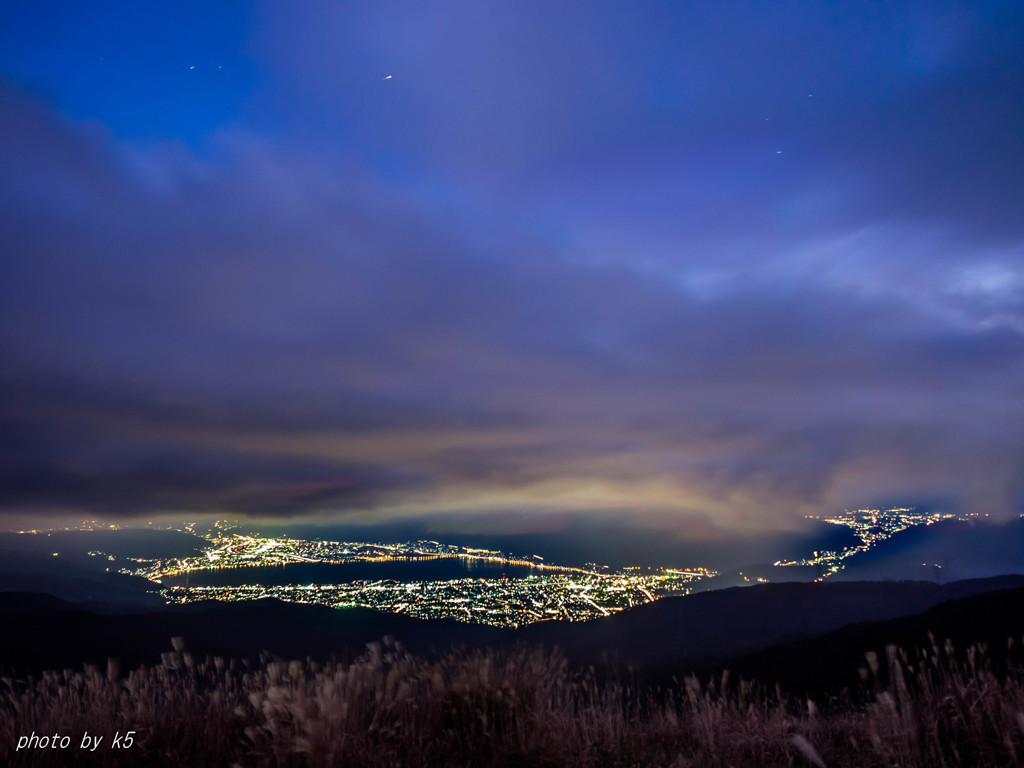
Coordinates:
x,y
697,266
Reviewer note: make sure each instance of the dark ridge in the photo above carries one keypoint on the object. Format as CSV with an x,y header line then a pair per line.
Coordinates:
x,y
13,603
102,592
671,637
57,634
706,627
826,664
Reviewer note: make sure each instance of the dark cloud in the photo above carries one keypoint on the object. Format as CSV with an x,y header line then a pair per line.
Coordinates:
x,y
545,268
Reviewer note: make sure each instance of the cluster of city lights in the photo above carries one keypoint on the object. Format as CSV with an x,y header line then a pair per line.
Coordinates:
x,y
871,526
551,591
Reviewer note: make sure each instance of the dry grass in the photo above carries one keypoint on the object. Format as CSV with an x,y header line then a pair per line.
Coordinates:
x,y
515,708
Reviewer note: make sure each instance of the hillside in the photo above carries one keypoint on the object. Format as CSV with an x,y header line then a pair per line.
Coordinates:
x,y
708,626
44,632
833,661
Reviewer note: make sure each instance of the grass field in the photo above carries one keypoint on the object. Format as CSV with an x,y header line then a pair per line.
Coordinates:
x,y
523,708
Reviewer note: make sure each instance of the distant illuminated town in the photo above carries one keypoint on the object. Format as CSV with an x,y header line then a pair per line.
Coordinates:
x,y
553,592
549,591
499,602
871,526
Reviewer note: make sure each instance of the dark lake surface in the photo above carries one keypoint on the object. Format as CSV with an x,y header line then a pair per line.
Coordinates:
x,y
328,573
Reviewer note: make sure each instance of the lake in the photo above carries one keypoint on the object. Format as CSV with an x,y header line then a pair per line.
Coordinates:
x,y
330,573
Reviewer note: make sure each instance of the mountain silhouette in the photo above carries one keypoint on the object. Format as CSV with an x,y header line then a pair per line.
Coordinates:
x,y
700,628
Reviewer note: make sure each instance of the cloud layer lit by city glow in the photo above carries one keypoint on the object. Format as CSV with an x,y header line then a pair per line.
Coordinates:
x,y
711,265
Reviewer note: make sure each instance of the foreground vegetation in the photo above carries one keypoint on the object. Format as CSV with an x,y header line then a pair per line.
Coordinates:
x,y
514,708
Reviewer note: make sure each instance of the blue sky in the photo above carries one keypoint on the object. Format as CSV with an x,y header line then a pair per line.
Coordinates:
x,y
705,266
